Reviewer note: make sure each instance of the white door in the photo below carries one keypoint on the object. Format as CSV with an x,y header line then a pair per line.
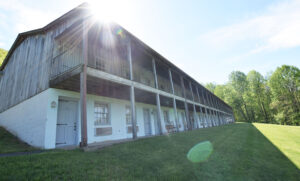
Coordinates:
x,y
66,123
147,122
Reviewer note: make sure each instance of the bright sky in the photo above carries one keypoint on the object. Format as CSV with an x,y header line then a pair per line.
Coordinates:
x,y
206,39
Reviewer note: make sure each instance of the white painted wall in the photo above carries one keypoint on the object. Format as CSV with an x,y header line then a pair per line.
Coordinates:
x,y
117,116
34,120
27,120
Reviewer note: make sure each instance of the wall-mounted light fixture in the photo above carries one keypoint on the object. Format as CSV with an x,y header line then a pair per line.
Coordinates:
x,y
53,104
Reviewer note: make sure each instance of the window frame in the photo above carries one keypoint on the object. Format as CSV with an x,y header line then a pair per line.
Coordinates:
x,y
130,124
108,116
128,115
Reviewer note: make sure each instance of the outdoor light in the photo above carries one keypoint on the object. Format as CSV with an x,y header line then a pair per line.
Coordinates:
x,y
53,104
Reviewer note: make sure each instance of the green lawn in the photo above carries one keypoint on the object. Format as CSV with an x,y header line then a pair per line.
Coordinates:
x,y
285,138
9,143
241,152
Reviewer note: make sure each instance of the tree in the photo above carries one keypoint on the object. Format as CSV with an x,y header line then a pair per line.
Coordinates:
x,y
3,54
259,94
271,99
285,89
220,91
239,83
211,86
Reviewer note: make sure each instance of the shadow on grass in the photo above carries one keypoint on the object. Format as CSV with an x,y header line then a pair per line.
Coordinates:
x,y
241,152
246,154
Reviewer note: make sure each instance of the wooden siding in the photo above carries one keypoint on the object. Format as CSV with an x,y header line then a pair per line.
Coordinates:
x,y
28,69
37,60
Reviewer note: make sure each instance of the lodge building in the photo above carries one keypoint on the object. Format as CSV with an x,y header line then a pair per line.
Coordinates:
x,y
79,81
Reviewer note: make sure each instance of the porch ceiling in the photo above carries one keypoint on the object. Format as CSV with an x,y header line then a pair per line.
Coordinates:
x,y
101,87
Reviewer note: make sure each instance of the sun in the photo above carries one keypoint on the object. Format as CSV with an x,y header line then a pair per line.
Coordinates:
x,y
109,10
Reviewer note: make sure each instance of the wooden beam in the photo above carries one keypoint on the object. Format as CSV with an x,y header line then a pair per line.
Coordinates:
x,y
159,116
83,88
174,101
132,95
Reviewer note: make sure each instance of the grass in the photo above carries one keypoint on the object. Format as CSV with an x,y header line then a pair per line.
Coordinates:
x,y
9,143
285,138
241,152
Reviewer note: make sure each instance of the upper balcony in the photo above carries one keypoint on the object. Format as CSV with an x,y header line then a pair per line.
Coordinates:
x,y
108,56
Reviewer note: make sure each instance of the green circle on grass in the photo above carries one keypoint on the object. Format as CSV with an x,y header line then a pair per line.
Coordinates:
x,y
200,152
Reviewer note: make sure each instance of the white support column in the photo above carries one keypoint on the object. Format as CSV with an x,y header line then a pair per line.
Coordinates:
x,y
220,114
203,118
212,112
220,121
159,114
206,117
186,106
206,103
200,112
194,107
174,102
132,95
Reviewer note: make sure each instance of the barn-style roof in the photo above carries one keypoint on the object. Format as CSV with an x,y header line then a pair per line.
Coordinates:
x,y
22,36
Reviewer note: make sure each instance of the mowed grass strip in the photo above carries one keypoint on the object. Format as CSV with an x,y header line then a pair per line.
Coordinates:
x,y
240,152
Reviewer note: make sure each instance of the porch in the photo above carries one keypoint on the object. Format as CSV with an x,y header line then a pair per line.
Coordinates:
x,y
121,68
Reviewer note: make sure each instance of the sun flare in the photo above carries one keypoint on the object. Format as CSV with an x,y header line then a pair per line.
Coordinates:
x,y
109,10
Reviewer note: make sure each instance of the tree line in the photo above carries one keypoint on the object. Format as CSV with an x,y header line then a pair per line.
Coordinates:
x,y
2,55
274,98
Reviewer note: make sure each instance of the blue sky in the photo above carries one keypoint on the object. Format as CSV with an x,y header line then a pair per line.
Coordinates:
x,y
206,39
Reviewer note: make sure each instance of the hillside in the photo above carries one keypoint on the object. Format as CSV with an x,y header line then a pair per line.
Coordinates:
x,y
2,55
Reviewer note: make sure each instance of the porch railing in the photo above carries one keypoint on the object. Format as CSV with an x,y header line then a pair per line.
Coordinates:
x,y
65,61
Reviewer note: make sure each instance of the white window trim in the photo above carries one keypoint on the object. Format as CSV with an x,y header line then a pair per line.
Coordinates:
x,y
130,124
109,115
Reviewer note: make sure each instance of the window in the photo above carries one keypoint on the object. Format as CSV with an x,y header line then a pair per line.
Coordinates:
x,y
101,113
100,63
166,117
128,115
